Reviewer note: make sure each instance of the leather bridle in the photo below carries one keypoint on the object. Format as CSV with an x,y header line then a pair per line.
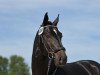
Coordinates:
x,y
51,54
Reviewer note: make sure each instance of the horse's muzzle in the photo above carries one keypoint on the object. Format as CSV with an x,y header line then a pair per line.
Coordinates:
x,y
60,58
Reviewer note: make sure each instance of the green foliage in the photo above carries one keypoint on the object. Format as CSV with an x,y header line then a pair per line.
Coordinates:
x,y
15,66
3,66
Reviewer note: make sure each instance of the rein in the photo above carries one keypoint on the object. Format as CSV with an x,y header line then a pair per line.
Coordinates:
x,y
49,64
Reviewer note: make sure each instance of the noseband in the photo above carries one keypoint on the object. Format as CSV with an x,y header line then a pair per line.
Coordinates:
x,y
51,54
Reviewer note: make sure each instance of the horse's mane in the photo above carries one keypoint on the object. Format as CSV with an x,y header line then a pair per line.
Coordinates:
x,y
35,45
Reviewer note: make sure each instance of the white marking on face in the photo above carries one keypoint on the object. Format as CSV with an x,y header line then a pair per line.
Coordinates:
x,y
55,31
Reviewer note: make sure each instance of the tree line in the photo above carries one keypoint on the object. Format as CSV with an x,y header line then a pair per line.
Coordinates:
x,y
15,65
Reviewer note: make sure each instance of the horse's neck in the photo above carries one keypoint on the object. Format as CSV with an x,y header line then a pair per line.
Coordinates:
x,y
39,62
39,66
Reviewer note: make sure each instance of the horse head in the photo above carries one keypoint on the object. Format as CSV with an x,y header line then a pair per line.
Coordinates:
x,y
50,37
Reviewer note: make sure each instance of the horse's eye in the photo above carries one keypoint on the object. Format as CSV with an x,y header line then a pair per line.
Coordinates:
x,y
55,31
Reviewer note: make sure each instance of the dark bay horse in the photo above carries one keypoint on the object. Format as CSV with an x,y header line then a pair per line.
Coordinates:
x,y
49,56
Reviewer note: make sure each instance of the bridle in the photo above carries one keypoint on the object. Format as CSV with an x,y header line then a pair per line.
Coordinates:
x,y
51,54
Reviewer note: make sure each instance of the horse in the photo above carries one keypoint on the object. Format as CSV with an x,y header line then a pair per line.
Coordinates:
x,y
49,55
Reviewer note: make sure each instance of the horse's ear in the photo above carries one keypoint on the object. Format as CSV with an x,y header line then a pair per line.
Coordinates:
x,y
56,21
45,21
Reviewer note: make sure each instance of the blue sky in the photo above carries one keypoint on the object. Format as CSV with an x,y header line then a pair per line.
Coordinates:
x,y
79,23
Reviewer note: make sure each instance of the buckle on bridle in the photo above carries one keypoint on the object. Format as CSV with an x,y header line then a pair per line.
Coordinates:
x,y
51,55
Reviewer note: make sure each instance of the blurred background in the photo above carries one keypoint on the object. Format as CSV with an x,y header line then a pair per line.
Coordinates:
x,y
79,22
